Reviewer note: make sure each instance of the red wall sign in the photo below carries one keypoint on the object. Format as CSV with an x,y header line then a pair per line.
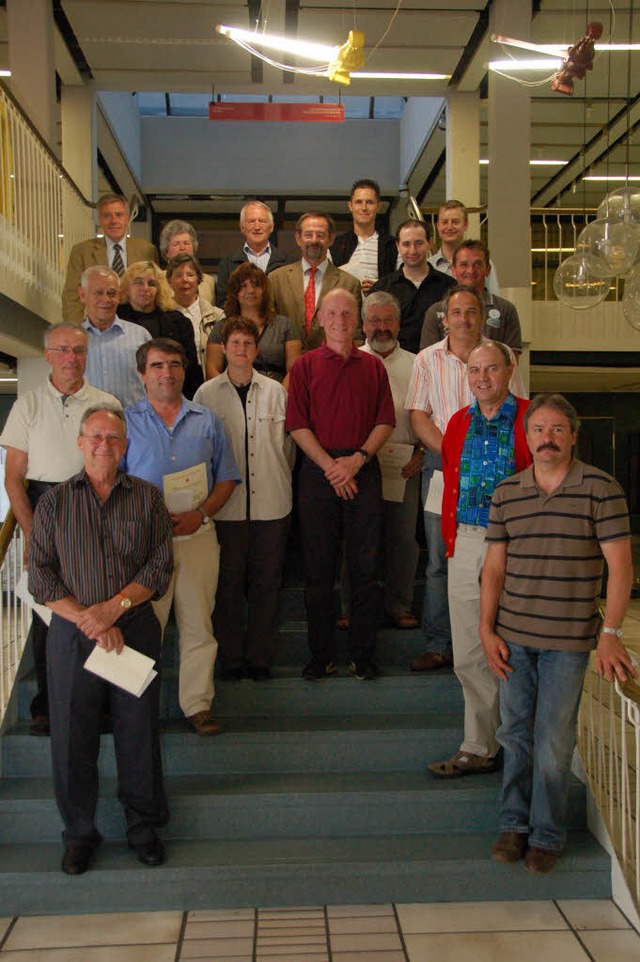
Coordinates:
x,y
305,113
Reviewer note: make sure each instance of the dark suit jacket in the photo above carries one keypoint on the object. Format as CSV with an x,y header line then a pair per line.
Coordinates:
x,y
228,264
91,252
287,287
345,244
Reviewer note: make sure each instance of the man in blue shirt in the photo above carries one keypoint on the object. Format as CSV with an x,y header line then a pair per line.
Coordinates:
x,y
181,447
483,444
111,360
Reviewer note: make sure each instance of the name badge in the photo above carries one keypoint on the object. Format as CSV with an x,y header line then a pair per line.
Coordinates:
x,y
493,317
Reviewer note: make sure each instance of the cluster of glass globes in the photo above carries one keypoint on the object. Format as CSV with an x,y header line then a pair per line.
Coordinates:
x,y
608,247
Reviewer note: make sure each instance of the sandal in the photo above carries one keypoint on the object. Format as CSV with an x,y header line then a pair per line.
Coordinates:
x,y
464,763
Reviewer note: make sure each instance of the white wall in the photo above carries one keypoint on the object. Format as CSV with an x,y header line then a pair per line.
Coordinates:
x,y
186,153
419,117
121,112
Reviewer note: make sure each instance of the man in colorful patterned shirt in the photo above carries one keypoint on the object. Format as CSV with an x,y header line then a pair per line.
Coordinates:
x,y
483,444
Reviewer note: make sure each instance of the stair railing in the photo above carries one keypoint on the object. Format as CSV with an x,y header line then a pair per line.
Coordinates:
x,y
609,746
14,616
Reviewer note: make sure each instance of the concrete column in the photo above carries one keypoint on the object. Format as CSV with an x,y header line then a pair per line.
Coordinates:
x,y
79,136
463,153
30,30
509,194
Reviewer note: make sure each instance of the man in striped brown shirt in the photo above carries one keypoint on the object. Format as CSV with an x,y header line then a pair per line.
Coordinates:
x,y
100,550
551,527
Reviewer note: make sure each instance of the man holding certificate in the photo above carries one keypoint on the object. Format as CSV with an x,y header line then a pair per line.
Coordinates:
x,y
181,447
100,549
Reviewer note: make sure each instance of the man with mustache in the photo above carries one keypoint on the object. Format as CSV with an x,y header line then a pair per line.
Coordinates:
x,y
299,288
551,527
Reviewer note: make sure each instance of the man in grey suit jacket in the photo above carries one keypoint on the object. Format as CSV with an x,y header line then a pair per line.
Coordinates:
x,y
256,226
298,288
114,250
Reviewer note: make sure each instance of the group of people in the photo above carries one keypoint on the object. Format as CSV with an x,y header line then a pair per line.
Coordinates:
x,y
154,468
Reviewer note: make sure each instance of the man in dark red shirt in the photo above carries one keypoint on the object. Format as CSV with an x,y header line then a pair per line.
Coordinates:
x,y
340,413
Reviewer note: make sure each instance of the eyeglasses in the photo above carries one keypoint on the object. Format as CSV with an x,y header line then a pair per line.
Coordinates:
x,y
66,351
99,438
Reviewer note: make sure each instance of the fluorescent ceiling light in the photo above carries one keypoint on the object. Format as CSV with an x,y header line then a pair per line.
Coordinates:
x,y
558,49
5,73
363,75
522,65
535,163
605,177
313,51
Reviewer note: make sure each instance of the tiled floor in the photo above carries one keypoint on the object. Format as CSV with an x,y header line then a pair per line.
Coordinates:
x,y
575,931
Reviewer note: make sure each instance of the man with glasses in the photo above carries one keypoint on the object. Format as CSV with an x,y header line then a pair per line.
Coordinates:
x,y
299,288
40,438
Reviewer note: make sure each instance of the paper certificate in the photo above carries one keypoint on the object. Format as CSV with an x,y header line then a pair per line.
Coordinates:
x,y
23,593
130,670
434,495
185,490
392,458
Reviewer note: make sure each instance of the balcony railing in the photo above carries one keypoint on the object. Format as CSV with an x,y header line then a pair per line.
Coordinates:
x,y
14,616
609,746
42,214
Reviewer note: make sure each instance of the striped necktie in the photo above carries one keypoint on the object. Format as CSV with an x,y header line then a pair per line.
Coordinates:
x,y
310,299
117,264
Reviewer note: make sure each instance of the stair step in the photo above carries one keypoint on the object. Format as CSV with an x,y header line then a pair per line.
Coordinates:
x,y
205,874
328,804
301,743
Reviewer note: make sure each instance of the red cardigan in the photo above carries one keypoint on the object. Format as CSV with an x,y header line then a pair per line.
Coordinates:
x,y
452,445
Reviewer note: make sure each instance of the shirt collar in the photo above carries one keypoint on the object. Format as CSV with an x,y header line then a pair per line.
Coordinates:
x,y
82,478
572,478
306,266
507,410
329,353
249,251
116,324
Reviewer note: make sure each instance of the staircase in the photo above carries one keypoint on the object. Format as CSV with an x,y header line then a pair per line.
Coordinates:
x,y
314,793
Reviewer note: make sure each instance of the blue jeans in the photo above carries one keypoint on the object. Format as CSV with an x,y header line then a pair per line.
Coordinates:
x,y
435,608
538,707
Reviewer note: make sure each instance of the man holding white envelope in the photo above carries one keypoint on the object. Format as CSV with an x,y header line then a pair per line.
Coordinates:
x,y
100,549
181,447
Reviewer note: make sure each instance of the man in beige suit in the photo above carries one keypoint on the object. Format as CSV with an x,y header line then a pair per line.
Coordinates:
x,y
114,250
298,288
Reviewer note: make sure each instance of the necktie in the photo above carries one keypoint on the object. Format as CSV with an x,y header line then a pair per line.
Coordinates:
x,y
117,264
310,299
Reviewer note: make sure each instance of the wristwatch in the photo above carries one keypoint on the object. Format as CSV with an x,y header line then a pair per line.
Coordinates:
x,y
611,631
124,601
365,454
205,517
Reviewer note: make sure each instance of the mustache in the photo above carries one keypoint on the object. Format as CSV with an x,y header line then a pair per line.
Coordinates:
x,y
549,446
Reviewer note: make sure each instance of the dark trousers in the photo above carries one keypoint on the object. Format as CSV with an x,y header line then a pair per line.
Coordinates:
x,y
38,631
76,699
251,561
324,520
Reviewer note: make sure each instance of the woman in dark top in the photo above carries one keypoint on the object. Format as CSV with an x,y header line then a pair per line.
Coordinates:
x,y
144,299
249,295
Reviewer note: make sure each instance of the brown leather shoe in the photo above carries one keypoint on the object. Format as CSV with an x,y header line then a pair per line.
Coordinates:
x,y
405,620
203,723
540,861
509,847
431,661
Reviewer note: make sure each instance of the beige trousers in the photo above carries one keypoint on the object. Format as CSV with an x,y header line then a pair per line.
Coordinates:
x,y
479,684
193,591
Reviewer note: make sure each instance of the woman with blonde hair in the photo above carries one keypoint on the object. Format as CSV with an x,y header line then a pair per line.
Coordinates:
x,y
146,299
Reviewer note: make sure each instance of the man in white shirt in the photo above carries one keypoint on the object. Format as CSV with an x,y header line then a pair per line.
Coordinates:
x,y
41,440
363,251
114,249
256,226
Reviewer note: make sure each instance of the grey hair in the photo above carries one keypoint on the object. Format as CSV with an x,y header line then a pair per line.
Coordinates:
x,y
504,349
556,401
112,199
255,203
170,230
97,270
103,409
380,299
64,326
